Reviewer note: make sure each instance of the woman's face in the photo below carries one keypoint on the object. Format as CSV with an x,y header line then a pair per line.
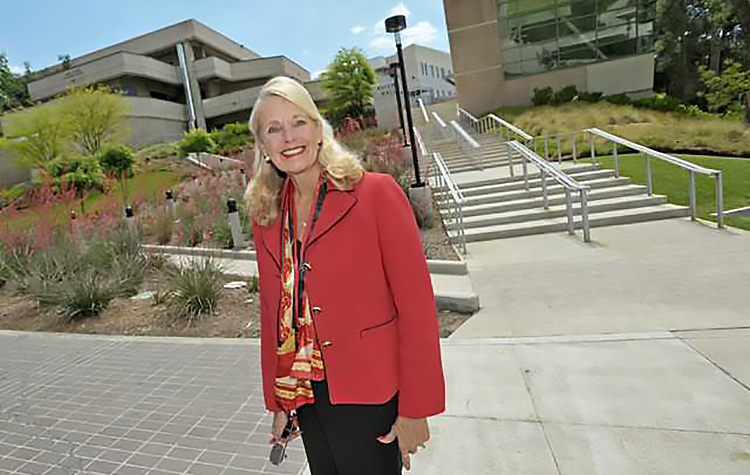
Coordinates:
x,y
288,136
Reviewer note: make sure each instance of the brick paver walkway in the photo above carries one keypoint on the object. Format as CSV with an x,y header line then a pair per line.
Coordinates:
x,y
130,406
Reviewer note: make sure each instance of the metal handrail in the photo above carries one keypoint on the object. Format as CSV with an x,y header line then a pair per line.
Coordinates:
x,y
509,126
463,137
692,169
439,120
568,183
424,111
456,209
470,119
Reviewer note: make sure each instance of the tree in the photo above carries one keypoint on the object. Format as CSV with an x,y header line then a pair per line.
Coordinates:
x,y
118,161
691,33
727,89
95,116
13,91
36,135
79,172
349,81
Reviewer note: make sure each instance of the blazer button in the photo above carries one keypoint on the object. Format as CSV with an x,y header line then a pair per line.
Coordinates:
x,y
317,309
326,344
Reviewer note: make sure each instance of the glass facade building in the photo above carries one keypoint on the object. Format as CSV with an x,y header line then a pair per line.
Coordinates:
x,y
538,36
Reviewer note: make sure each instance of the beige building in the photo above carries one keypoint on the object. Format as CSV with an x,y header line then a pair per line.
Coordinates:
x,y
503,49
428,76
182,76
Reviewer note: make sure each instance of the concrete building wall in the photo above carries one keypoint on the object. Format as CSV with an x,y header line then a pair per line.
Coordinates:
x,y
473,32
155,43
154,120
475,50
106,69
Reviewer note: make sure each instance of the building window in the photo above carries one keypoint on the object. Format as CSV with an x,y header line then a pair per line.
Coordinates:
x,y
542,35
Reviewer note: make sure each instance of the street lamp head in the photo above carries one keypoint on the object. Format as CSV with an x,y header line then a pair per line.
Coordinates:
x,y
395,23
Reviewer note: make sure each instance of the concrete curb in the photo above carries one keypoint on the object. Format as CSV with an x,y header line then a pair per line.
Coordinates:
x,y
436,266
463,302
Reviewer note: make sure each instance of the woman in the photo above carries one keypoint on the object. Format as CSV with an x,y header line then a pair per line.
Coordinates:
x,y
349,336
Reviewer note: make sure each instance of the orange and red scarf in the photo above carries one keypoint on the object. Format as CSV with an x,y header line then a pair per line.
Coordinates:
x,y
299,358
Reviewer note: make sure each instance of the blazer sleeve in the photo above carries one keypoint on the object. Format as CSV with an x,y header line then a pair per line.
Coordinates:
x,y
267,334
421,380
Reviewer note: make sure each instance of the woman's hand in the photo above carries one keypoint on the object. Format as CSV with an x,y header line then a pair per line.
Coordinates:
x,y
412,434
280,420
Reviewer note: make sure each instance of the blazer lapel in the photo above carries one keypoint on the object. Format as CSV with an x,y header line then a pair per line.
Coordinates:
x,y
336,205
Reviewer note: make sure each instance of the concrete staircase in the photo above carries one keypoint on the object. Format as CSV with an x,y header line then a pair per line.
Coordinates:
x,y
499,206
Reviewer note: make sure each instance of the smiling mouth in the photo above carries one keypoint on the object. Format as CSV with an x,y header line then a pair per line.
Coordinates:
x,y
293,152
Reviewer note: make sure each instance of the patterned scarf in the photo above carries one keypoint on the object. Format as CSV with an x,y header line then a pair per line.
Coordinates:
x,y
299,357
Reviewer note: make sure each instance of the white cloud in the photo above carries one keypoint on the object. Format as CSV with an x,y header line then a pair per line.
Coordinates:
x,y
17,69
358,29
399,9
316,74
423,33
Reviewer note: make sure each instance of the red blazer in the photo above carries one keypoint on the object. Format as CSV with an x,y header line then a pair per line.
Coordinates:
x,y
375,316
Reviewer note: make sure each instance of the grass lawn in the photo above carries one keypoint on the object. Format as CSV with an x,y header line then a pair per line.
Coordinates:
x,y
672,181
667,132
145,186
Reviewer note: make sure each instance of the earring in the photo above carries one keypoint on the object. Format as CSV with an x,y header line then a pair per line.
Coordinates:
x,y
266,158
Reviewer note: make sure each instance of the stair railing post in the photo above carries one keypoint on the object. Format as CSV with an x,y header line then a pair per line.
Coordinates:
x,y
510,160
720,200
575,147
617,160
524,160
691,192
546,146
649,178
593,149
559,149
585,216
544,189
569,206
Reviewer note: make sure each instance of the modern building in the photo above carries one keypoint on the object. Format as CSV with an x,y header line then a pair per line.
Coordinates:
x,y
175,78
503,49
429,76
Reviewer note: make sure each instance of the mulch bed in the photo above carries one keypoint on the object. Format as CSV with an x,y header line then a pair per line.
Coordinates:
x,y
237,316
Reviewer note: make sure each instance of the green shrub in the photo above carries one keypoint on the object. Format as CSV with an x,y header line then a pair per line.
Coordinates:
x,y
222,233
117,160
543,96
234,137
617,99
659,102
195,290
590,97
80,172
85,295
196,141
565,95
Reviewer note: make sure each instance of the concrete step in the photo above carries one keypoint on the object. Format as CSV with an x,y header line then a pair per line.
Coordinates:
x,y
533,183
551,191
554,200
554,225
561,211
570,171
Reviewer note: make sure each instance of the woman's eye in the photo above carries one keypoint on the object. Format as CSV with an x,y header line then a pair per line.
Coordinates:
x,y
273,130
300,123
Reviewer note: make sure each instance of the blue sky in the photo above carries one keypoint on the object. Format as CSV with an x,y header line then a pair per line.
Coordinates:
x,y
309,32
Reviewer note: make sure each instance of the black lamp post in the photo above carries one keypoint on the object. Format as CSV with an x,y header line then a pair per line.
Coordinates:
x,y
394,25
393,70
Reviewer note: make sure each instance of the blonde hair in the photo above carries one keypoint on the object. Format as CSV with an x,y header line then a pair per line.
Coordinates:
x,y
339,165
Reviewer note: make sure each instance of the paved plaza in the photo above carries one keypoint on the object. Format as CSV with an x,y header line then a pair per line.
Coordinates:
x,y
73,404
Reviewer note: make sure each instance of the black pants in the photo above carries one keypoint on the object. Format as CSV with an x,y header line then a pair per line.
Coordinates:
x,y
341,439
